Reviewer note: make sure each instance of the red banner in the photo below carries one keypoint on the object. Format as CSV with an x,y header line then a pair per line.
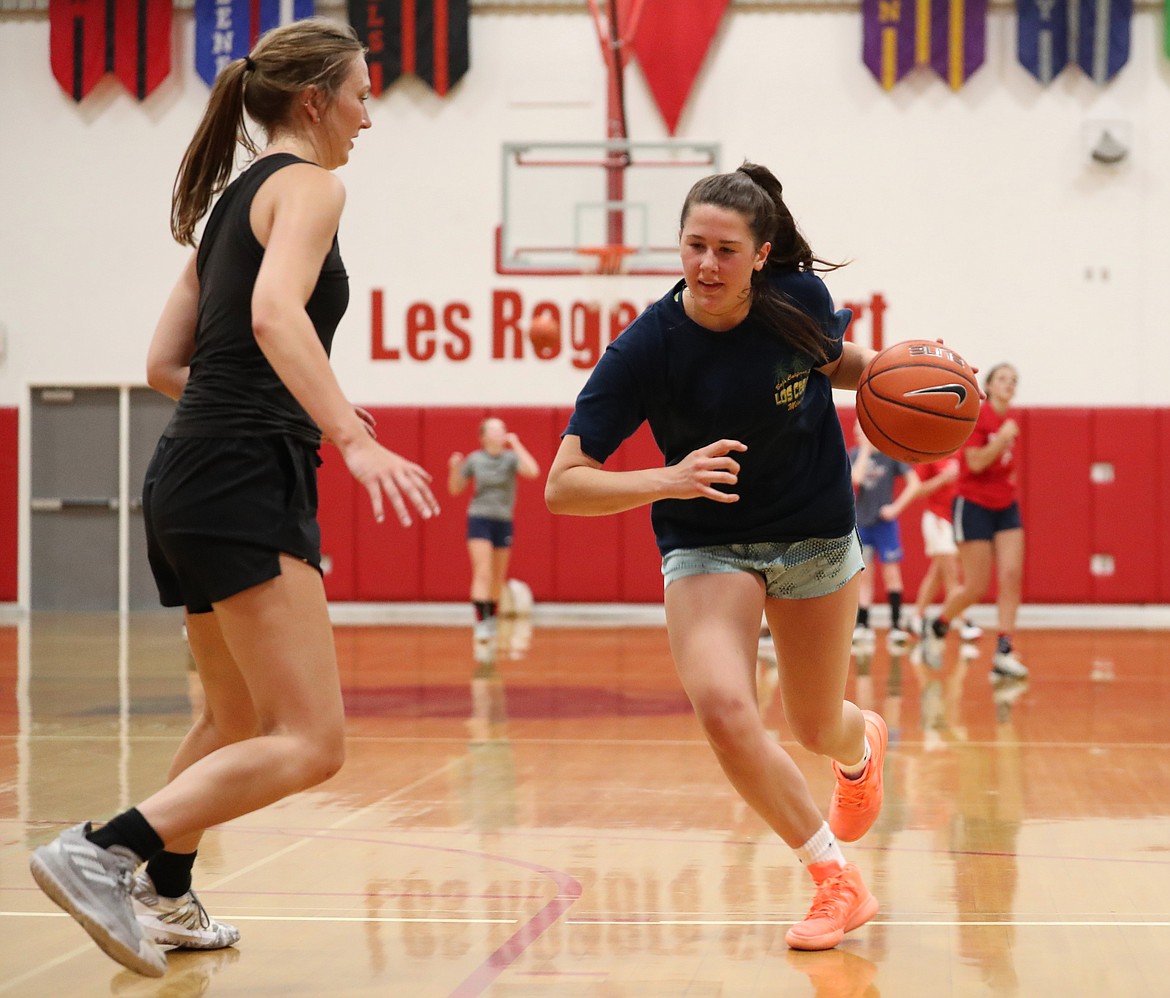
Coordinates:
x,y
429,38
89,38
671,42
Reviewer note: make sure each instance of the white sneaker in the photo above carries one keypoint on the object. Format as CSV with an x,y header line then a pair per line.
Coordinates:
x,y
863,635
1006,665
181,921
932,646
970,631
898,637
93,885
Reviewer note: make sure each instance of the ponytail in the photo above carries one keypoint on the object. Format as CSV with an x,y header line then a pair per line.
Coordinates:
x,y
209,159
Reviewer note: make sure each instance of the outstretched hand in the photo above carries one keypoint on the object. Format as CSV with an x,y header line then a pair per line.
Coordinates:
x,y
390,475
701,470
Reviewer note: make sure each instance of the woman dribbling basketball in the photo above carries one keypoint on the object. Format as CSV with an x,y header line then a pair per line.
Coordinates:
x,y
734,370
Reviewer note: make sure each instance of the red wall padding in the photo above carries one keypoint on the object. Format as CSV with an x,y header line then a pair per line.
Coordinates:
x,y
1160,480
1068,517
9,427
1056,504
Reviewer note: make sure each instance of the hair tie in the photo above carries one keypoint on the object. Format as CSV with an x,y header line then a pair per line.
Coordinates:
x,y
249,65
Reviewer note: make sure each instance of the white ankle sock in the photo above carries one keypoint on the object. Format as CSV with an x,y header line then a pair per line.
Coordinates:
x,y
821,848
857,771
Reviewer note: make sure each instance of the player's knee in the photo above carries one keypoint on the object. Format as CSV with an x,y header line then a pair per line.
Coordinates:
x,y
812,735
728,722
321,759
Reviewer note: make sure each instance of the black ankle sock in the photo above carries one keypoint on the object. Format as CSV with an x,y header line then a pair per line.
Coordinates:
x,y
170,872
895,600
129,830
1003,644
863,616
940,628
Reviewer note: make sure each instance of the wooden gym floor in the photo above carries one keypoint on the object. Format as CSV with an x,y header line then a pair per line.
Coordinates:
x,y
553,823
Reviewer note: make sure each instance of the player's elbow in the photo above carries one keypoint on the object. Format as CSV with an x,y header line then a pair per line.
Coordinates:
x,y
555,496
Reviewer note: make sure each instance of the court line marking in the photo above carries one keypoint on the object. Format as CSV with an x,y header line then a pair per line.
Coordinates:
x,y
710,922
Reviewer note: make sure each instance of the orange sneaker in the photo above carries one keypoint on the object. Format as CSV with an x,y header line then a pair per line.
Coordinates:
x,y
856,803
842,903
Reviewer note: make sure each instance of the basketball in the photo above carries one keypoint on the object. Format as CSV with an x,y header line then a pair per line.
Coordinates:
x,y
545,336
917,401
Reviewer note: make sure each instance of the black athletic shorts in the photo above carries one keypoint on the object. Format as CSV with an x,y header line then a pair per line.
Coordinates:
x,y
219,512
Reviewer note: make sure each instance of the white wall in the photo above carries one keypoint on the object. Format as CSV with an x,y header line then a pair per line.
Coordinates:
x,y
978,215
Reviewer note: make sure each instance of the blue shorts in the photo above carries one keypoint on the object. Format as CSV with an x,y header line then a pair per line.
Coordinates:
x,y
978,523
885,539
790,570
499,532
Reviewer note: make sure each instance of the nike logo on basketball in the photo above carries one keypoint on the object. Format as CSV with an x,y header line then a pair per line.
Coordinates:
x,y
959,391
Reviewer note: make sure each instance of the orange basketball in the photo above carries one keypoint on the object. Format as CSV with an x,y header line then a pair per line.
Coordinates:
x,y
917,401
545,336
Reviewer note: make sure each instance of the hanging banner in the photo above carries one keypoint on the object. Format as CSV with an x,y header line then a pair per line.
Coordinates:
x,y
430,39
228,29
958,39
671,42
90,38
142,45
1042,44
1103,46
77,44
894,38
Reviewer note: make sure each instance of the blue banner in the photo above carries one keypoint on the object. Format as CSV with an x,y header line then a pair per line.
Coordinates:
x,y
227,29
1042,45
1104,37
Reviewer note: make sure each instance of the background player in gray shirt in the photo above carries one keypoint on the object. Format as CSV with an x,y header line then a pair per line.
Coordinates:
x,y
493,468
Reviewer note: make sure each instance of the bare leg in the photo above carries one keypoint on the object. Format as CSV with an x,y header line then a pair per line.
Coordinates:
x,y
500,559
714,625
976,557
227,715
1009,561
480,551
279,635
713,622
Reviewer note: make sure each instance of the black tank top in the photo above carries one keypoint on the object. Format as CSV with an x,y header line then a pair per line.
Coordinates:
x,y
233,390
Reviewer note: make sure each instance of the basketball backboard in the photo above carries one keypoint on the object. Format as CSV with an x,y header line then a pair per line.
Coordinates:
x,y
609,206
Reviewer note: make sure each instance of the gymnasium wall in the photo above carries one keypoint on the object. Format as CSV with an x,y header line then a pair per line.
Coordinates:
x,y
1094,484
976,215
1070,519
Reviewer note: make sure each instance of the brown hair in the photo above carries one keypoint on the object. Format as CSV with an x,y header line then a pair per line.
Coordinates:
x,y
754,193
314,52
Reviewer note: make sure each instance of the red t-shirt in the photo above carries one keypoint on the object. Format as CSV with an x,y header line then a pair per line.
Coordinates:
x,y
995,486
942,500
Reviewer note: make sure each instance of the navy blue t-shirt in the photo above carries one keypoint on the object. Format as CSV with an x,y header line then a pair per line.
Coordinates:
x,y
695,386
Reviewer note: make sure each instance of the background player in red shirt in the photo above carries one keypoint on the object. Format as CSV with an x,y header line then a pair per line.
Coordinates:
x,y
988,527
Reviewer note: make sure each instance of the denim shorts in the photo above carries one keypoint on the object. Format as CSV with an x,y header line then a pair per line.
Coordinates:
x,y
790,570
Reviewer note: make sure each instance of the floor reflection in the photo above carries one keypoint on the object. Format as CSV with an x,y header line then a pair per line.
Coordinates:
x,y
548,819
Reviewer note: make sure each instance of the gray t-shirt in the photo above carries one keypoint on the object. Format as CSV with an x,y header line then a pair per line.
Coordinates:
x,y
878,488
495,483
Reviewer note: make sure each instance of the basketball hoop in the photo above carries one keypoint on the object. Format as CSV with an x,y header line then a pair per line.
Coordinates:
x,y
609,258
